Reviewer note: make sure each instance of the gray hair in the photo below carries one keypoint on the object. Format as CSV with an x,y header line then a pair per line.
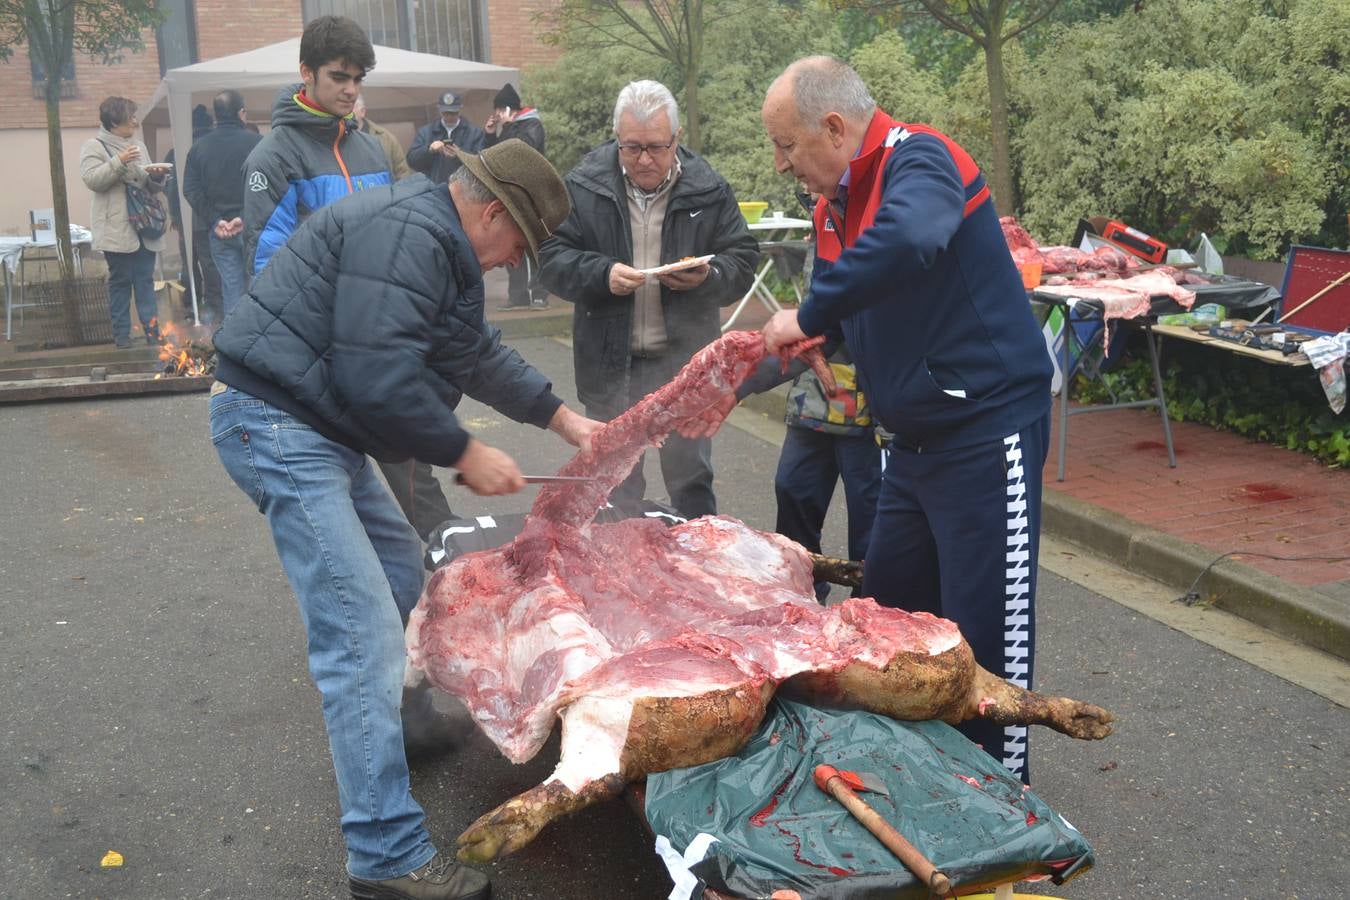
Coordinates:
x,y
644,99
471,186
822,85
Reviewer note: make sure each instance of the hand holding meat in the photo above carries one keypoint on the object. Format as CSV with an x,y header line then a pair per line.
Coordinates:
x,y
488,471
686,279
573,428
623,280
782,329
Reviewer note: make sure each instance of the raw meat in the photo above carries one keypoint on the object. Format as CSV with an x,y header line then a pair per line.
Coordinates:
x,y
1125,298
661,647
1062,260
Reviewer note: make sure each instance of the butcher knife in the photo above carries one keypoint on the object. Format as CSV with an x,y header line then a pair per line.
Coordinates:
x,y
538,479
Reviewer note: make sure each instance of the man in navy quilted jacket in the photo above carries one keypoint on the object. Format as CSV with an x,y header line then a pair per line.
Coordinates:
x,y
360,337
912,271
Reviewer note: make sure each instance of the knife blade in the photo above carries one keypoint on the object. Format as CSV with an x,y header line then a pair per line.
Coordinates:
x,y
539,479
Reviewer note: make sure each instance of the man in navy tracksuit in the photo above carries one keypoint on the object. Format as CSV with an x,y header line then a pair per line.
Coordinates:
x,y
911,267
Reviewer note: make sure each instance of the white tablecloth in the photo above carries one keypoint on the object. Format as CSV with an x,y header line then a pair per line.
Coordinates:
x,y
12,247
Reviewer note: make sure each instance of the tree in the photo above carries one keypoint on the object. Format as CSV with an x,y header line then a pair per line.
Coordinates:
x,y
990,24
54,31
671,30
1218,116
576,93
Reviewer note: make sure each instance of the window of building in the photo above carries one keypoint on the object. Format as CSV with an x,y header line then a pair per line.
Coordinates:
x,y
176,36
444,27
69,89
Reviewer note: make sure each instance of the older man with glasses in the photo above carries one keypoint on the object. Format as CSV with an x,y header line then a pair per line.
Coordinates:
x,y
639,202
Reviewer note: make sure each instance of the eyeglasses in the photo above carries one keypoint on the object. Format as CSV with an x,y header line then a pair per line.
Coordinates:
x,y
633,151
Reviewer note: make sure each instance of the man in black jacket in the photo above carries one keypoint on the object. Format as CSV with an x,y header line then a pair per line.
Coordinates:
x,y
214,187
433,148
640,202
360,337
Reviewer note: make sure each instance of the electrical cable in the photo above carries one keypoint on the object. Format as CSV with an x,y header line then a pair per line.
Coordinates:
x,y
1192,596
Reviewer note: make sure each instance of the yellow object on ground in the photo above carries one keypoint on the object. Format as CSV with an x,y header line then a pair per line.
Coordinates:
x,y
110,859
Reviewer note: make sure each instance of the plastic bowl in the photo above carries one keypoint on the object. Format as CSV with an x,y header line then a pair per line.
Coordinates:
x,y
752,210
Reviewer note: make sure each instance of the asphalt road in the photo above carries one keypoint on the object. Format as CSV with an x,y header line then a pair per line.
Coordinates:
x,y
156,700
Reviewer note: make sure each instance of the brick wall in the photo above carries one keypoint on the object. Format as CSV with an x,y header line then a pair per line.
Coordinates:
x,y
513,33
223,27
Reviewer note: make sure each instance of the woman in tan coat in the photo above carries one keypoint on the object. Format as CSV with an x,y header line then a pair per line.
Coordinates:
x,y
108,162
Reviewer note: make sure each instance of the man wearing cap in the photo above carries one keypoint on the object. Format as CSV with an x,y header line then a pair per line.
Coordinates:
x,y
361,337
509,120
641,201
433,148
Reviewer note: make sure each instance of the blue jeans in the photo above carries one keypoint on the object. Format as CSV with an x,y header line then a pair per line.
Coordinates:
x,y
355,565
228,255
128,272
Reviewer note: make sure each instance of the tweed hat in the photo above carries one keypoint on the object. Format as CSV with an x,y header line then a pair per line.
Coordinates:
x,y
526,183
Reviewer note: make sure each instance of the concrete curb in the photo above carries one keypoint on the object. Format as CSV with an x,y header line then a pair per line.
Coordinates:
x,y
526,325
1295,612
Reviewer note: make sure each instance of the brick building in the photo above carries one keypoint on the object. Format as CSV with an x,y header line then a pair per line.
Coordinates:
x,y
496,31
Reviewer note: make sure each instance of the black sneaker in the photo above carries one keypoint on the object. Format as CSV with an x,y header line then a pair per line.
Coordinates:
x,y
440,879
123,343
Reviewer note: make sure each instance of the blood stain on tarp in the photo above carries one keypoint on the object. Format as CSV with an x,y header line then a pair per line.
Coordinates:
x,y
968,780
1031,818
1261,492
988,777
796,843
761,818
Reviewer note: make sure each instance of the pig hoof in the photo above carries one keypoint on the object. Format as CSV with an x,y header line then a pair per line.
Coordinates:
x,y
1086,722
499,833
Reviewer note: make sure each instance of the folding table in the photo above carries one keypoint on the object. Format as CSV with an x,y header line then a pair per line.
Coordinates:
x,y
778,228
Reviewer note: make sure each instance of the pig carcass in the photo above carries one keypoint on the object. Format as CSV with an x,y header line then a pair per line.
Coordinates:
x,y
660,647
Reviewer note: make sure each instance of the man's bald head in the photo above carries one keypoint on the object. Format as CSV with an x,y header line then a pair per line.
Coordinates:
x,y
819,85
816,114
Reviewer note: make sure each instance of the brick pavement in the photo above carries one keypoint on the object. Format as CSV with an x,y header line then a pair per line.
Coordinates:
x,y
1226,493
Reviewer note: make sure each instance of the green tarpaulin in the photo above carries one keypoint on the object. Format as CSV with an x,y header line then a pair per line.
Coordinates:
x,y
775,829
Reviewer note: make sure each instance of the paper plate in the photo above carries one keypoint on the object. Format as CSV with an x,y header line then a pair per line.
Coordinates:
x,y
679,265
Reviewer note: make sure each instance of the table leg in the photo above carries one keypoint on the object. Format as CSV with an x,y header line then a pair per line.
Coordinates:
x,y
1065,378
755,288
9,301
1158,390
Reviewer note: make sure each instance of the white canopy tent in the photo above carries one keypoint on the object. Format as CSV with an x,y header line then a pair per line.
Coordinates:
x,y
403,86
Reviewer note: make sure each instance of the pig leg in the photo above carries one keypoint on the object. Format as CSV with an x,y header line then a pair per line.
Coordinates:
x,y
949,686
606,743
1004,703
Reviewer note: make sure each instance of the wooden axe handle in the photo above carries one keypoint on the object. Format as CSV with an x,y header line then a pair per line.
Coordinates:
x,y
938,883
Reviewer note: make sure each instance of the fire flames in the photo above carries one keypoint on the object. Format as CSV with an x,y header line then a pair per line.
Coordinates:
x,y
183,354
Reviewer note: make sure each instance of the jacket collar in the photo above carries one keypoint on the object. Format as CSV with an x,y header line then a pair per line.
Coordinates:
x,y
873,148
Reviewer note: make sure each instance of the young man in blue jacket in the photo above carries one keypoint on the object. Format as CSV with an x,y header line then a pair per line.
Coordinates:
x,y
911,267
316,154
334,354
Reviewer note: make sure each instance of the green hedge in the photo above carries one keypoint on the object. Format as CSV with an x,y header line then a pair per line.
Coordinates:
x,y
1280,405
